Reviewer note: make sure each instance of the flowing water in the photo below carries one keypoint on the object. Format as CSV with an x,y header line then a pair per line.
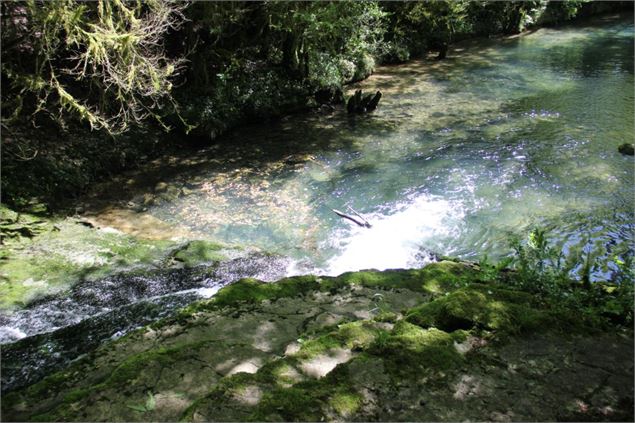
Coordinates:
x,y
461,155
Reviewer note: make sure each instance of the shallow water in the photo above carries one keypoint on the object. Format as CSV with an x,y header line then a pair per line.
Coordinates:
x,y
504,136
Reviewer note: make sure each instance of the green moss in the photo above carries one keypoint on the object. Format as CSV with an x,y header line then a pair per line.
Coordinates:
x,y
460,335
31,399
220,394
54,260
199,252
409,349
251,290
125,251
289,404
386,316
445,276
135,366
435,278
355,335
76,395
407,279
480,307
281,373
345,403
48,385
317,346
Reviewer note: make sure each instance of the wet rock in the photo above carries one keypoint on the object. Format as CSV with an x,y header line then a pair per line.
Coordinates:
x,y
161,187
148,199
626,149
199,252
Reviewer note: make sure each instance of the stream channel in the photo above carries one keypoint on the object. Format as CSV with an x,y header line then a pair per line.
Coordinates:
x,y
461,156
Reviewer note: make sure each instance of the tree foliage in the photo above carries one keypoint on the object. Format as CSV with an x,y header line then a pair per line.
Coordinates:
x,y
103,62
113,63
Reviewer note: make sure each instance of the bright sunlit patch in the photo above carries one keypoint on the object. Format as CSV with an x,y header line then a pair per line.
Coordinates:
x,y
9,334
394,241
208,292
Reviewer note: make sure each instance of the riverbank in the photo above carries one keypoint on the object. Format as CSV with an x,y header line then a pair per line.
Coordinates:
x,y
446,342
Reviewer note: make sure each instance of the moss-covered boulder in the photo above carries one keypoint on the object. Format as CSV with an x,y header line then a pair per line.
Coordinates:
x,y
480,306
431,344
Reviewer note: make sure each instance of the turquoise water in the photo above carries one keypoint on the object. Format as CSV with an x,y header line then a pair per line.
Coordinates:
x,y
461,155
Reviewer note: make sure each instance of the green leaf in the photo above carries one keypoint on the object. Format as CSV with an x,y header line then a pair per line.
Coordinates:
x,y
139,408
150,402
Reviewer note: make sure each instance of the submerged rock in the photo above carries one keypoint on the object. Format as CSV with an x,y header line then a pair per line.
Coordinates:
x,y
432,344
358,103
626,149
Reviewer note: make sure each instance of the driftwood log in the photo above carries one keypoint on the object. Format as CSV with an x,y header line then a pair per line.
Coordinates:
x,y
362,104
358,220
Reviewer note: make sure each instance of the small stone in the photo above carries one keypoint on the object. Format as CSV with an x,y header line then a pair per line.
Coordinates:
x,y
626,149
148,199
160,187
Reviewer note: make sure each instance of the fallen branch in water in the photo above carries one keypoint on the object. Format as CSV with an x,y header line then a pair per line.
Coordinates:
x,y
361,221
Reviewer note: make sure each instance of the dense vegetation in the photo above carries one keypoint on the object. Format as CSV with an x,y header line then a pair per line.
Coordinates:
x,y
201,68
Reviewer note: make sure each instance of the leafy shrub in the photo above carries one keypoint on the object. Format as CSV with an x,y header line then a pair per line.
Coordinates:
x,y
565,277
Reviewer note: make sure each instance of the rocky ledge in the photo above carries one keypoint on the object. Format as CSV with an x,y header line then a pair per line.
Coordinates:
x,y
442,343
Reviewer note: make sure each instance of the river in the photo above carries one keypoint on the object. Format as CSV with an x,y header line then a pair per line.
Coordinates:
x,y
461,156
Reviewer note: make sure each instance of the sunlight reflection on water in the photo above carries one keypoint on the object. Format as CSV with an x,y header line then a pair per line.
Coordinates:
x,y
395,240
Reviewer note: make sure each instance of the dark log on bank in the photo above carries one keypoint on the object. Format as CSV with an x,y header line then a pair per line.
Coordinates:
x,y
358,220
443,51
358,104
372,104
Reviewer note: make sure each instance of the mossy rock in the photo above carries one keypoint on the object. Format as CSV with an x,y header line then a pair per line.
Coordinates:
x,y
435,278
251,290
410,349
249,354
199,252
7,215
482,307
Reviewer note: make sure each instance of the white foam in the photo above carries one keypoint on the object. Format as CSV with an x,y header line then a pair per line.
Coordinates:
x,y
393,241
208,292
9,334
